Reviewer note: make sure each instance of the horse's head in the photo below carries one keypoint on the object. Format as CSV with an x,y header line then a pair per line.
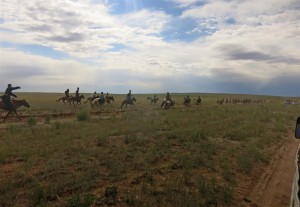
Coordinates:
x,y
133,99
81,96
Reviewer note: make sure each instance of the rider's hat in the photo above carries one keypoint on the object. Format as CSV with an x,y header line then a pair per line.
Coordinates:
x,y
9,85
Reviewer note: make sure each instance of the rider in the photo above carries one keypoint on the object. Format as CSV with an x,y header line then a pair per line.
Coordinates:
x,y
8,93
198,100
129,95
102,96
187,99
77,92
95,95
168,97
67,93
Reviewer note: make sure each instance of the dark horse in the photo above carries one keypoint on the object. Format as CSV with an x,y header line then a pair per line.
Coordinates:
x,y
152,100
15,105
130,102
64,98
109,99
187,101
76,99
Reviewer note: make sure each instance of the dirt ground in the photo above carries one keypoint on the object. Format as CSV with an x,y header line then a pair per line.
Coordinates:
x,y
271,184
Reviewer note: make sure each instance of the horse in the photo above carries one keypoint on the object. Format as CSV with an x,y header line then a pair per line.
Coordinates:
x,y
198,100
187,101
90,99
152,100
97,102
167,104
130,102
15,105
109,99
76,99
64,98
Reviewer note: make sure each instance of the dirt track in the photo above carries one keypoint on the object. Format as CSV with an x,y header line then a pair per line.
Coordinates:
x,y
272,183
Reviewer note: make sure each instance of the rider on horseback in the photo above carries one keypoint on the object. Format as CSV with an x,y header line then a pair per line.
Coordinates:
x,y
168,97
101,98
67,93
77,92
7,96
94,95
129,95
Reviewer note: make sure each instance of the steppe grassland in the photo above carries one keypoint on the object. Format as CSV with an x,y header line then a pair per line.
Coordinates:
x,y
187,156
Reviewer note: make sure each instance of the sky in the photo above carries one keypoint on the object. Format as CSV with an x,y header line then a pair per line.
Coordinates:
x,y
151,46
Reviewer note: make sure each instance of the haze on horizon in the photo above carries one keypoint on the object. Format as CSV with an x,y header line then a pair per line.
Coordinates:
x,y
151,46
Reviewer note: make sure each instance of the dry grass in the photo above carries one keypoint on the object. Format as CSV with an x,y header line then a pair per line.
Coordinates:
x,y
136,157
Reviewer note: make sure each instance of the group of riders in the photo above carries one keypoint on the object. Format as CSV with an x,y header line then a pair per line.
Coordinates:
x,y
6,98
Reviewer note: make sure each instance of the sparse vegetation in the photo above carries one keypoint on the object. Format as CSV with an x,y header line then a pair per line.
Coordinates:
x,y
144,157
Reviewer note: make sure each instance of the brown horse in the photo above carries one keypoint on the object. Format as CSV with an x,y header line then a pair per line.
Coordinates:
x,y
15,105
64,98
130,102
109,99
152,100
76,99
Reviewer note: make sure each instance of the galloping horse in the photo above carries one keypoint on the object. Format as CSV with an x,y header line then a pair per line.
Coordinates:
x,y
167,104
152,100
75,99
187,101
97,102
64,98
130,102
15,105
90,99
109,99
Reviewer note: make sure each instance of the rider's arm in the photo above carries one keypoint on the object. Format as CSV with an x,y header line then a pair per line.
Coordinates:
x,y
14,95
14,88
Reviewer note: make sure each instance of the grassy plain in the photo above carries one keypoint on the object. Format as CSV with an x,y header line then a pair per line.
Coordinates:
x,y
62,155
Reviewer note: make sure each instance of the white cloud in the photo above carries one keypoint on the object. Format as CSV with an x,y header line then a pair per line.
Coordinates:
x,y
259,46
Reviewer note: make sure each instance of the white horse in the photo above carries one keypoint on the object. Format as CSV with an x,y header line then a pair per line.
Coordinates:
x,y
97,102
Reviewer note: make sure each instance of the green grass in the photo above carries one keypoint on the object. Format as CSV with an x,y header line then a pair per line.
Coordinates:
x,y
146,156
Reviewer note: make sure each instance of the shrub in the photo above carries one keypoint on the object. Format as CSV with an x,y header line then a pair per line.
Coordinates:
x,y
83,116
48,118
76,201
31,121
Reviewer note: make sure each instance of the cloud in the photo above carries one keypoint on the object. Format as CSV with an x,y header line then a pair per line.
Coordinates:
x,y
211,46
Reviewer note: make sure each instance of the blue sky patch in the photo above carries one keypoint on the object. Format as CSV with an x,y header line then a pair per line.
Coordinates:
x,y
36,50
127,6
116,47
188,29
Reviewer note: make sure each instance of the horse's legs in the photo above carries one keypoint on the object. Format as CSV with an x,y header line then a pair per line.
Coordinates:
x,y
6,116
17,114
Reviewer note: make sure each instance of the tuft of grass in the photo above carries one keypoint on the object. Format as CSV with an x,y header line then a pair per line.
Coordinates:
x,y
48,118
102,140
83,116
77,201
31,121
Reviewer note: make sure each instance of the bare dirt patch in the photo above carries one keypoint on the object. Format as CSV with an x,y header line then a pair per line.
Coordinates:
x,y
271,184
